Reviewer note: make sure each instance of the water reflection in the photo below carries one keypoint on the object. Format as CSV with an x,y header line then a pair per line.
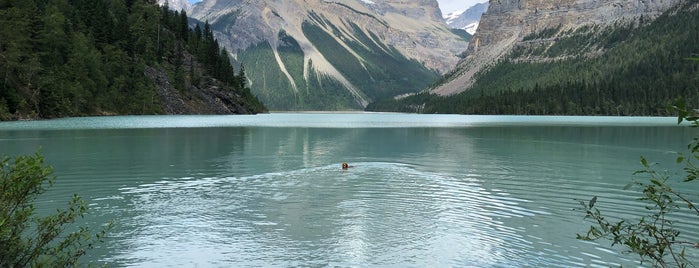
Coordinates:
x,y
263,196
376,214
379,213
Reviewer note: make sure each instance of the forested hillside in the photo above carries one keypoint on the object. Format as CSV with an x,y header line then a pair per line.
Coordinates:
x,y
334,54
632,68
105,57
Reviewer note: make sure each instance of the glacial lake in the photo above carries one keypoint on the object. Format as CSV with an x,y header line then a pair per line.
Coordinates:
x,y
425,190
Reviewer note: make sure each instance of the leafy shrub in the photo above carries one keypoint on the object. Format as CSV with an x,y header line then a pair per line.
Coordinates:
x,y
31,241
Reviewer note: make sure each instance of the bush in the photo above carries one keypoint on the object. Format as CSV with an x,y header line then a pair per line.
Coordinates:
x,y
29,240
654,236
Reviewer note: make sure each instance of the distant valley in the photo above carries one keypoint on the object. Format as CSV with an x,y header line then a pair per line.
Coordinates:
x,y
334,55
617,57
571,57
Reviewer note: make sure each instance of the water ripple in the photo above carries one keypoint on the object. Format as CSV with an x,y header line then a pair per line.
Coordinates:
x,y
378,213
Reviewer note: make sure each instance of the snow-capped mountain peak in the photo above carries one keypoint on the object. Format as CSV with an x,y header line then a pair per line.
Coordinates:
x,y
468,19
176,4
453,15
333,54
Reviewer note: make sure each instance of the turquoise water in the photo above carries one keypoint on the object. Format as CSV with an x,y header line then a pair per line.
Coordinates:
x,y
425,190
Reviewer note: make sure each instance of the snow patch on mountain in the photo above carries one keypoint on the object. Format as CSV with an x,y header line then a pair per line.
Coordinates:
x,y
467,19
176,5
471,28
454,15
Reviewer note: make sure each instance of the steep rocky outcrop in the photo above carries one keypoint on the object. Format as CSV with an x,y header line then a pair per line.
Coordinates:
x,y
507,22
346,52
205,98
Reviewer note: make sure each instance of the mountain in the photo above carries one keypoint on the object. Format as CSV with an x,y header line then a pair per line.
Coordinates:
x,y
467,20
331,54
626,58
103,57
176,5
507,22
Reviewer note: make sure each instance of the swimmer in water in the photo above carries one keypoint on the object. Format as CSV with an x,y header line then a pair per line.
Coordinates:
x,y
345,166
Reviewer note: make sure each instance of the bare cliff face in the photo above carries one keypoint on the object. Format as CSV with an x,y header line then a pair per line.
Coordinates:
x,y
416,28
507,22
176,5
331,34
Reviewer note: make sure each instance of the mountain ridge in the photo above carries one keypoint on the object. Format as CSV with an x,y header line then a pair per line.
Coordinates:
x,y
379,48
507,22
636,67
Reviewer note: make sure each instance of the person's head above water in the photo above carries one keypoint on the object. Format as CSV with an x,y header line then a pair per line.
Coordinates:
x,y
345,166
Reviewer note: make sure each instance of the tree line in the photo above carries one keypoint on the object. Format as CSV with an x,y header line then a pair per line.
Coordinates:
x,y
642,69
87,57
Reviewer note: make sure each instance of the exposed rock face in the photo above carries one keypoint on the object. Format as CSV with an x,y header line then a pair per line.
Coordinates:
x,y
205,98
507,21
414,29
208,96
177,5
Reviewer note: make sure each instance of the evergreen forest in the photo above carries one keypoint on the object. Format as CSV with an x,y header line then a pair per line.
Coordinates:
x,y
63,58
628,69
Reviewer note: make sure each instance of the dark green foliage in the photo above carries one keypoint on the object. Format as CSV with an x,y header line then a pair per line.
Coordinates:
x,y
268,77
29,240
543,34
411,104
380,71
329,94
286,80
87,57
655,237
362,13
641,70
319,92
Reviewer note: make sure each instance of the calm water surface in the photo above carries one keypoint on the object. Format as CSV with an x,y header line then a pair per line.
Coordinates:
x,y
426,190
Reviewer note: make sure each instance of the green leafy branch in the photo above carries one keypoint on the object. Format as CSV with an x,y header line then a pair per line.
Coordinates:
x,y
654,236
28,240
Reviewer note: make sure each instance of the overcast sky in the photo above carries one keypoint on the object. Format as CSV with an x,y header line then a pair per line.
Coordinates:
x,y
447,6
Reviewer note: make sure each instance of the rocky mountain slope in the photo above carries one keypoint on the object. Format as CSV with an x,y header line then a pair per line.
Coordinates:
x,y
331,54
177,5
467,20
635,65
507,22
